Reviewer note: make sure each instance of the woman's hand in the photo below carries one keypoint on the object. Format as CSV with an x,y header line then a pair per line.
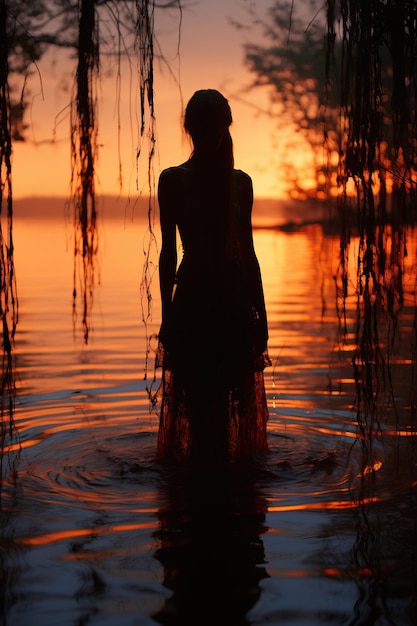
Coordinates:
x,y
165,334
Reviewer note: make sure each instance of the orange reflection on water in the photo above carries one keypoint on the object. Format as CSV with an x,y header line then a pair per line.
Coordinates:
x,y
314,506
339,573
285,573
371,468
300,429
48,538
299,425
15,447
401,433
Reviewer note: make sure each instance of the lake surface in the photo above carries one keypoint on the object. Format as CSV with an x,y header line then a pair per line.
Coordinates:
x,y
94,531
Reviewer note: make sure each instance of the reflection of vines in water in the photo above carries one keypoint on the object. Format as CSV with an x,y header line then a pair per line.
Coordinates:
x,y
378,157
384,552
83,149
8,290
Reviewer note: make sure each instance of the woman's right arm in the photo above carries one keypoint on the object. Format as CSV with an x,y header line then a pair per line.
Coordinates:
x,y
167,198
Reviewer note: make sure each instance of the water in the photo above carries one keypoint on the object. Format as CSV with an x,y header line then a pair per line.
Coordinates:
x,y
94,531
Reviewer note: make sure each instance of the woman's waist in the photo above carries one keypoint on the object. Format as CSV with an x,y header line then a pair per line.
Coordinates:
x,y
211,271
196,262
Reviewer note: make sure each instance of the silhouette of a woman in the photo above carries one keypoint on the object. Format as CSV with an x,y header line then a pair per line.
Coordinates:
x,y
213,337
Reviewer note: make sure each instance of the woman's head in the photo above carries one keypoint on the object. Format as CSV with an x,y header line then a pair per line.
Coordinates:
x,y
207,120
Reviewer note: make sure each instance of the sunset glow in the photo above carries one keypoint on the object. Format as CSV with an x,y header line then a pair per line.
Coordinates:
x,y
211,55
208,407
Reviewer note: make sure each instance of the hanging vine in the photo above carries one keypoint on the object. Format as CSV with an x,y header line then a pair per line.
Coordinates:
x,y
8,289
84,144
147,139
83,151
378,180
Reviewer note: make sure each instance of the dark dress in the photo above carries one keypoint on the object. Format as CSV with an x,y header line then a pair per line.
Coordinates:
x,y
214,348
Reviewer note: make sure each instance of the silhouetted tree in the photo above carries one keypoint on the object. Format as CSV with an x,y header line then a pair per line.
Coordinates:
x,y
32,27
291,60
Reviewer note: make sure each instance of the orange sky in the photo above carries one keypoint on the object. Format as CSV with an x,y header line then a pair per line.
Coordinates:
x,y
211,55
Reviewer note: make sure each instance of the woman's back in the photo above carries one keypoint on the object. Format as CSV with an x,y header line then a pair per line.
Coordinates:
x,y
209,215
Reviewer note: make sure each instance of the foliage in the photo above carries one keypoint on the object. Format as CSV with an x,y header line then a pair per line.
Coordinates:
x,y
30,31
291,60
46,23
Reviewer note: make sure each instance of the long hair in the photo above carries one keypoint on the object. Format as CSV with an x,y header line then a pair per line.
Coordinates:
x,y
208,111
208,115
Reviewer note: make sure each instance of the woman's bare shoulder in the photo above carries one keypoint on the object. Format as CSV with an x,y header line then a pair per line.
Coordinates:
x,y
170,179
243,178
244,185
173,172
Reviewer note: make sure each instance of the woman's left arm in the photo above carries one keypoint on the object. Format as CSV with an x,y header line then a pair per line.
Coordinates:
x,y
251,262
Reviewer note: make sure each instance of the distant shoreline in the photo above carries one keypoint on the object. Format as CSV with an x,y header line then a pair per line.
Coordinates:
x,y
267,212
